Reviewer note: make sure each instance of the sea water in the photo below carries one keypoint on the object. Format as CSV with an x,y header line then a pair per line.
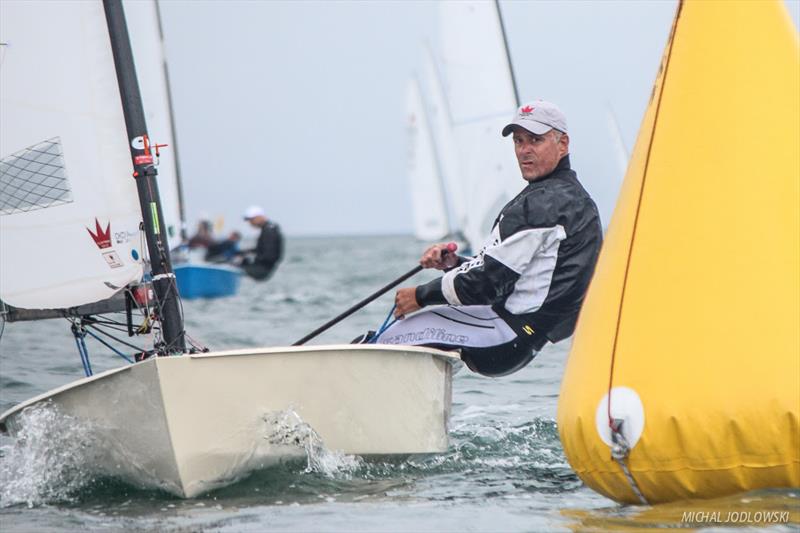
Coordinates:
x,y
504,471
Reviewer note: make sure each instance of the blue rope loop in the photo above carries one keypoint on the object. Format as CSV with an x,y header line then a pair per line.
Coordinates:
x,y
80,332
80,342
386,325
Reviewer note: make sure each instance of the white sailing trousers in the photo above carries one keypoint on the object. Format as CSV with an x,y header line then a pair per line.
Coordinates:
x,y
470,325
487,343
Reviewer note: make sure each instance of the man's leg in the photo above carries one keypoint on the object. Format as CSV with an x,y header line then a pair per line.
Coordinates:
x,y
257,271
488,345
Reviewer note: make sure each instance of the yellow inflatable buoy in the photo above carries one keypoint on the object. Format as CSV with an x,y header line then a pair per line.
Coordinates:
x,y
686,358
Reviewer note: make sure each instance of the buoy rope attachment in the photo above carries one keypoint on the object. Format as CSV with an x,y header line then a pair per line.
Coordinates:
x,y
619,452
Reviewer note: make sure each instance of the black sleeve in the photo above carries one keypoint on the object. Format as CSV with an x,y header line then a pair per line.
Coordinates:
x,y
525,228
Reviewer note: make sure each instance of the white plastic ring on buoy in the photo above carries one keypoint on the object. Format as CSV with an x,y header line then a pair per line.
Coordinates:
x,y
625,405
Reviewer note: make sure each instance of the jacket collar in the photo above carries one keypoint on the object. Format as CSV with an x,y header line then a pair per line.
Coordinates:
x,y
563,164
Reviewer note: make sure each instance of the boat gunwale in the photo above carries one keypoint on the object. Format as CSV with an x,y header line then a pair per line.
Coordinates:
x,y
448,357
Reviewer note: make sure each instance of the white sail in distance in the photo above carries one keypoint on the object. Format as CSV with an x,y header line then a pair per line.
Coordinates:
x,y
428,202
444,142
481,100
69,212
149,56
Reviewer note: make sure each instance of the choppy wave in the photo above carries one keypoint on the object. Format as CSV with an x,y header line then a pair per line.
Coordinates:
x,y
287,428
53,459
49,459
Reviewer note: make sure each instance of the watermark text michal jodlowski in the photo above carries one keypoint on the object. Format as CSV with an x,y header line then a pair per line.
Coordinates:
x,y
736,517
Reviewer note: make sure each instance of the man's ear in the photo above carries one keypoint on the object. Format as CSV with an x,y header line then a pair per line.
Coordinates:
x,y
563,145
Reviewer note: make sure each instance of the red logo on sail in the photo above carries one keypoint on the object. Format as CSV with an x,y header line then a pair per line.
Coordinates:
x,y
101,238
527,110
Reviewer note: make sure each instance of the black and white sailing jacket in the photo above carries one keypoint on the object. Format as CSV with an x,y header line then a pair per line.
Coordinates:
x,y
536,266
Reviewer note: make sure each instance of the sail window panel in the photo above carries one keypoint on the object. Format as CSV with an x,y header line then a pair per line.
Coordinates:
x,y
34,178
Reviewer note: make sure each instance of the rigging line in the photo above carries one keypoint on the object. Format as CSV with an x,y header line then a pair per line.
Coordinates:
x,y
106,322
122,329
197,344
384,326
508,51
79,332
129,345
86,370
160,306
110,324
107,345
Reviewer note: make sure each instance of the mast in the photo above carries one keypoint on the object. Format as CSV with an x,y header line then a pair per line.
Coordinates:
x,y
145,173
508,52
178,179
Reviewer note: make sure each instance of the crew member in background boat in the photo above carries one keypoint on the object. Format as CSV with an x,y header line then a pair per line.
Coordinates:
x,y
224,250
204,237
526,285
260,262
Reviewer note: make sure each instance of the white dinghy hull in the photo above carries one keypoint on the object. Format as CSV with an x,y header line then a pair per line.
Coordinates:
x,y
188,424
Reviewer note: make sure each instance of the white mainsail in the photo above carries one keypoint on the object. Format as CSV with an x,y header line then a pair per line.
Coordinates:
x,y
69,212
480,95
148,53
443,143
428,202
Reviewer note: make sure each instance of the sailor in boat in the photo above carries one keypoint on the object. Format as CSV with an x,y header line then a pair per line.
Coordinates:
x,y
260,262
203,237
225,250
526,285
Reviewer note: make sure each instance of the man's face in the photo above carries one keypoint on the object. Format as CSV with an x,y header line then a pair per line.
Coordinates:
x,y
538,155
256,222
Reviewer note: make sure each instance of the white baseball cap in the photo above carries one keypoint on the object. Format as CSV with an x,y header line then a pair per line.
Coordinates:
x,y
253,211
538,117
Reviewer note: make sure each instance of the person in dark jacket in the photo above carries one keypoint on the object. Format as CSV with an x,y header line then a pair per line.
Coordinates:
x,y
526,285
260,262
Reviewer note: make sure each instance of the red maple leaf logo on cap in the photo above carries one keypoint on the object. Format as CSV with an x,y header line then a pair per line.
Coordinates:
x,y
527,109
101,238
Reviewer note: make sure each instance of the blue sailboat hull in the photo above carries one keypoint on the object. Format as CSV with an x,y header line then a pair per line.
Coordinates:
x,y
207,281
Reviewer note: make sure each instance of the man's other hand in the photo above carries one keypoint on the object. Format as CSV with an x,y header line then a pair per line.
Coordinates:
x,y
406,302
434,257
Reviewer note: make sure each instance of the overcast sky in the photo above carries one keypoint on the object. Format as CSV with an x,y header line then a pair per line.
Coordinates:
x,y
300,106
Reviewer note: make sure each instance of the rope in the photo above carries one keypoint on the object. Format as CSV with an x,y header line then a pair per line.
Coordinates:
x,y
619,452
107,345
386,324
80,333
99,330
196,344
